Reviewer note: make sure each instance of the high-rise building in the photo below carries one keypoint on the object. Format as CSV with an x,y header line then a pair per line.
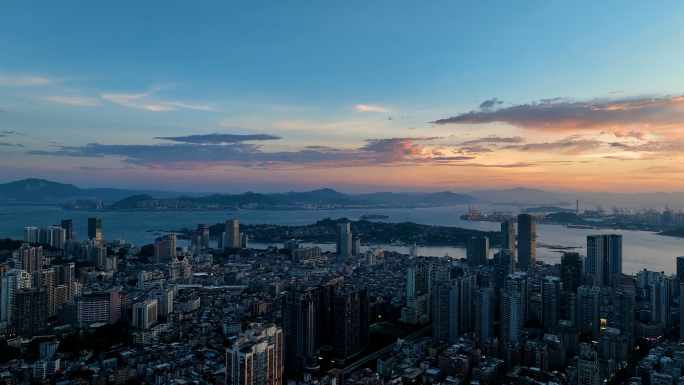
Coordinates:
x,y
680,269
299,329
551,288
164,299
68,226
256,356
623,313
203,232
31,234
587,366
46,279
527,240
56,236
30,258
477,251
571,271
232,236
351,322
417,279
604,258
66,275
356,245
446,307
95,228
681,311
344,240
512,314
520,283
508,235
145,314
89,308
164,248
484,316
30,313
12,281
588,310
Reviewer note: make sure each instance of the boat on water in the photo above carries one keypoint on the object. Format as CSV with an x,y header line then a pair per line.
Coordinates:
x,y
579,227
472,215
157,214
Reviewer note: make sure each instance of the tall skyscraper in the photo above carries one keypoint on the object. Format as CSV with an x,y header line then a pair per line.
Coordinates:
x,y
68,226
417,279
351,322
508,235
604,258
299,329
344,240
203,232
232,236
95,228
446,311
551,288
512,314
256,356
527,240
46,279
31,234
588,306
571,271
680,269
477,251
484,316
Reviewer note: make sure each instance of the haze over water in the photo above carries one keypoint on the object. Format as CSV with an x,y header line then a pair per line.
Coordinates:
x,y
641,250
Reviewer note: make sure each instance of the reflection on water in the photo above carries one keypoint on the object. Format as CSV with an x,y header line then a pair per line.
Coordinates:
x,y
640,249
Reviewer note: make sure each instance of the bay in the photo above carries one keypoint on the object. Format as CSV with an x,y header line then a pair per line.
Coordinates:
x,y
641,250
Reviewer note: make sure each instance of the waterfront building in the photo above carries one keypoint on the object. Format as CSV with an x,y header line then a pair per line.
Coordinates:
x,y
527,240
31,234
344,240
164,248
508,235
68,226
95,228
604,258
232,234
477,251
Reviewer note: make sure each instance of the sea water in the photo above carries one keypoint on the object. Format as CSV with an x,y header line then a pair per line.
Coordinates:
x,y
641,250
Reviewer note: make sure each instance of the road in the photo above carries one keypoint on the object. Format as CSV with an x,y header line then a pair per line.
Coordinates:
x,y
374,356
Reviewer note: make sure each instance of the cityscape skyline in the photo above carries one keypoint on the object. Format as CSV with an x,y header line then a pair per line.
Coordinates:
x,y
301,96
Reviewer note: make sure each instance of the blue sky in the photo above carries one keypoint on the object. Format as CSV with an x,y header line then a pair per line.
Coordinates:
x,y
347,92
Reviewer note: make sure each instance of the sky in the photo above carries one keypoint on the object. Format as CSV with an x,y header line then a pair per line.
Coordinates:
x,y
359,96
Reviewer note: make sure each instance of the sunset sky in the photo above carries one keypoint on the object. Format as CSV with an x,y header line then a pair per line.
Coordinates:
x,y
360,96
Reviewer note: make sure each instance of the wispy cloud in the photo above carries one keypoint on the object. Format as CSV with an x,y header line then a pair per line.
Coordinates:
x,y
561,114
144,101
74,100
23,81
195,156
11,144
219,138
369,108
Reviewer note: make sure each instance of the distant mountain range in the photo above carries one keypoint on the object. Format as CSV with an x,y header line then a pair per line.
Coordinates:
x,y
40,190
